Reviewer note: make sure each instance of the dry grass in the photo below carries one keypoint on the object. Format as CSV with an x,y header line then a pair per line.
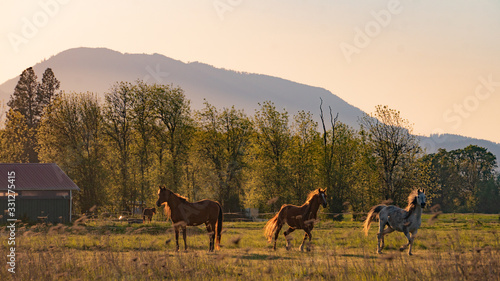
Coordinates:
x,y
463,248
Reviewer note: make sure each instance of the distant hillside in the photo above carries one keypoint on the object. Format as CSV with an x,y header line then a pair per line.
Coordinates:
x,y
96,69
451,142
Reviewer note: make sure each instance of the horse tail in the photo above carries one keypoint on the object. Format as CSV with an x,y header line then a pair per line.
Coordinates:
x,y
372,214
218,227
271,227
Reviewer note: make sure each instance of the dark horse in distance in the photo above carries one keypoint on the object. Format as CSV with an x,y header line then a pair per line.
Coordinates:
x,y
297,217
148,213
184,213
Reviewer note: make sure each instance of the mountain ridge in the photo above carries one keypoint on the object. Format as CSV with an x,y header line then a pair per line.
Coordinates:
x,y
97,69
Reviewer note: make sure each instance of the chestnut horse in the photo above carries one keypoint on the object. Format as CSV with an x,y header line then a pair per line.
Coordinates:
x,y
297,217
183,213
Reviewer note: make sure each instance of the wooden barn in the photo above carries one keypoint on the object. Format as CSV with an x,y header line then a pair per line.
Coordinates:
x,y
44,193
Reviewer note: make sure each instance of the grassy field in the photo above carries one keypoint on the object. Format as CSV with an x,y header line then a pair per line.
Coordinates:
x,y
451,247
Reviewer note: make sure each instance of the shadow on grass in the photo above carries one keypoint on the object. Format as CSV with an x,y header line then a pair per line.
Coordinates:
x,y
359,256
262,257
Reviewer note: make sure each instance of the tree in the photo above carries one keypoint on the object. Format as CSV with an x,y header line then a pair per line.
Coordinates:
x,y
30,99
15,138
175,131
118,127
23,100
328,162
273,141
47,89
465,179
71,135
223,139
143,124
304,155
395,148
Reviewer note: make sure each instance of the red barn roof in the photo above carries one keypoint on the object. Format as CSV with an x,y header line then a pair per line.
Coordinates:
x,y
36,177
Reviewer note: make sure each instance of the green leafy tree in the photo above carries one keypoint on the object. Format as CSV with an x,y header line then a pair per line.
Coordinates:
x,y
273,142
15,138
223,140
304,156
396,150
465,178
71,135
175,132
144,126
118,118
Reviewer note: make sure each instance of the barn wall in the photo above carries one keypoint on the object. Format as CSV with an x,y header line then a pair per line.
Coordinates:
x,y
29,209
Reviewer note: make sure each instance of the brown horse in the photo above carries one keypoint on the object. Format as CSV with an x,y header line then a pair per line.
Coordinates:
x,y
296,217
183,213
148,213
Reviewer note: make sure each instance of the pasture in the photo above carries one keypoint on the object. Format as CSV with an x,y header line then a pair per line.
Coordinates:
x,y
451,247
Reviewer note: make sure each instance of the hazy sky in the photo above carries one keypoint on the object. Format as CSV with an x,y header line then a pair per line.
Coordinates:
x,y
438,62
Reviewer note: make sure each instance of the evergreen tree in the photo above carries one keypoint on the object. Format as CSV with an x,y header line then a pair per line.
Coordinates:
x,y
29,100
24,99
47,89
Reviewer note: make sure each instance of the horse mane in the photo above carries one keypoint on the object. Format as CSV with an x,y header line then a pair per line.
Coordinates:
x,y
311,195
167,209
180,197
412,202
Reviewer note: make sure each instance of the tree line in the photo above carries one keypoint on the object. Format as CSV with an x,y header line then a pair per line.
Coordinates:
x,y
120,150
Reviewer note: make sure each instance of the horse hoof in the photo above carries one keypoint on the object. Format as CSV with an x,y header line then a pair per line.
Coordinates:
x,y
410,254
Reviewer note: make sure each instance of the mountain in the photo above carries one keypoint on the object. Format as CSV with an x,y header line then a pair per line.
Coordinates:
x,y
451,142
97,69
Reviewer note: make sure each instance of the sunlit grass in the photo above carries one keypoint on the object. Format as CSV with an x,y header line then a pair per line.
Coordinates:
x,y
452,247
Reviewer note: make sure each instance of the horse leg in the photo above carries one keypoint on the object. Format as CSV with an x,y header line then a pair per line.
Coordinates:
x,y
308,234
407,234
184,237
411,242
276,234
288,241
177,239
211,235
380,235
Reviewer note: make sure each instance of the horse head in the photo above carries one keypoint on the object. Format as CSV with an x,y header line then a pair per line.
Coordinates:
x,y
163,194
421,198
322,197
